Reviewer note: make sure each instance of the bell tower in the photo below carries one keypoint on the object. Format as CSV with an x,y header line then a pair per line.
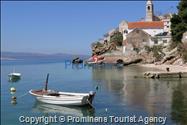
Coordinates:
x,y
149,11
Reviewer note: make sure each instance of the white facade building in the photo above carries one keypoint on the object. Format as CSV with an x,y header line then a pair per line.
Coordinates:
x,y
159,28
152,28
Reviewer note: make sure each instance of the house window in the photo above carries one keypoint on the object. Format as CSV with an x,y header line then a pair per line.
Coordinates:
x,y
125,31
164,41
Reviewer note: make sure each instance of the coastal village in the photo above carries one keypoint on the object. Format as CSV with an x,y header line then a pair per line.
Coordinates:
x,y
144,81
147,41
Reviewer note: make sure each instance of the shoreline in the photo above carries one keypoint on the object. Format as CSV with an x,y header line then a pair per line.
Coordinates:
x,y
162,67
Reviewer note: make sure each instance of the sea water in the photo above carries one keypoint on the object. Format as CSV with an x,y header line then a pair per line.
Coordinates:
x,y
122,96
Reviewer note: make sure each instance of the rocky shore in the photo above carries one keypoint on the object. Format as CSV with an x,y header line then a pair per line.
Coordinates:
x,y
162,68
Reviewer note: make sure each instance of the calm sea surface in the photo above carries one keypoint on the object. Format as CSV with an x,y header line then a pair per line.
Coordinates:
x,y
120,93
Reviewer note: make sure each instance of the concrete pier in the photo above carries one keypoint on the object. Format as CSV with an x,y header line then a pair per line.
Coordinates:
x,y
158,75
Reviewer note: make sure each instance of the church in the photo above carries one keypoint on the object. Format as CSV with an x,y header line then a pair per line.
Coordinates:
x,y
153,30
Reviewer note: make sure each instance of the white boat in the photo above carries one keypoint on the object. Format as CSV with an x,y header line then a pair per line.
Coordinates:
x,y
14,76
98,63
63,98
95,60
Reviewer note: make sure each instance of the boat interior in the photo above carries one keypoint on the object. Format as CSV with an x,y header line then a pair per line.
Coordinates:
x,y
43,92
50,93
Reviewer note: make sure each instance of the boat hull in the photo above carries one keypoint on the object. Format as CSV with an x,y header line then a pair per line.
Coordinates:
x,y
65,98
14,76
60,101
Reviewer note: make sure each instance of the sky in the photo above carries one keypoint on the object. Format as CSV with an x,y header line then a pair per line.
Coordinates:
x,y
66,27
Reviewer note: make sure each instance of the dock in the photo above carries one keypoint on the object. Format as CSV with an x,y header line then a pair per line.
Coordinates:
x,y
157,75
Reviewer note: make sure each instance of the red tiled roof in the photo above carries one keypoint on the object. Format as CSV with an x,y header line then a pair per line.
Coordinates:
x,y
146,25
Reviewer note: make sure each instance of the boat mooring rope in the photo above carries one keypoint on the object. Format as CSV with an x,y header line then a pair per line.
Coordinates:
x,y
23,95
90,103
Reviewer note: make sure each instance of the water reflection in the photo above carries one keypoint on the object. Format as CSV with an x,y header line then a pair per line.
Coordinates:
x,y
111,78
179,104
149,96
74,111
12,80
13,102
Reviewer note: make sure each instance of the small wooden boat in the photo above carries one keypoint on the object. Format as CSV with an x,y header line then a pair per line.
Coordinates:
x,y
77,61
90,63
14,76
95,60
63,98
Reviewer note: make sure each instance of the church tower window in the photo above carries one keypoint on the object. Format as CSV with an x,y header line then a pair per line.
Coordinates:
x,y
149,11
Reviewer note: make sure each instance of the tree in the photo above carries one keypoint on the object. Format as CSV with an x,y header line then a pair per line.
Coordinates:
x,y
183,10
117,38
179,23
157,51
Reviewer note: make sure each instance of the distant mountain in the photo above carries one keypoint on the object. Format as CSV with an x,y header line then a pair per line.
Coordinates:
x,y
38,56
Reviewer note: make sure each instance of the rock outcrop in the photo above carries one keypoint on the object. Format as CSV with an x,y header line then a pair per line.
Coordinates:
x,y
156,54
98,49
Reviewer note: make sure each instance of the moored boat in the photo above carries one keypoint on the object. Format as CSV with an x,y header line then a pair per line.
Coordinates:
x,y
77,61
95,60
14,76
62,98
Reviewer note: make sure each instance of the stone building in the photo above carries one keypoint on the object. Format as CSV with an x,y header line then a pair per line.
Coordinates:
x,y
149,11
162,38
156,27
152,24
136,40
155,30
167,23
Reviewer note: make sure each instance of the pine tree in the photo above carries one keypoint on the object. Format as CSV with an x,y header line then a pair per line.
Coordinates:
x,y
179,23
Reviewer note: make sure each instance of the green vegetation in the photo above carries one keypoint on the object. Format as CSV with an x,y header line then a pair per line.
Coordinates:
x,y
147,48
98,44
179,105
178,27
157,51
179,23
117,38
